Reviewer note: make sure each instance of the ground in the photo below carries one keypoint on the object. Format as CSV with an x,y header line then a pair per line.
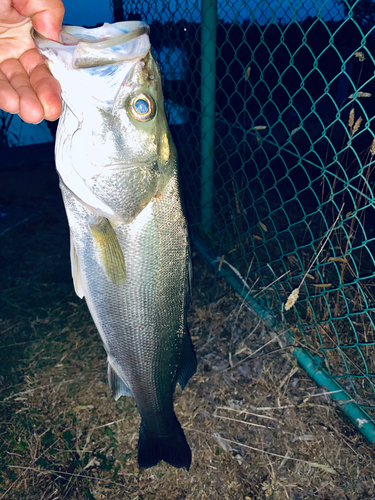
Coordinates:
x,y
258,427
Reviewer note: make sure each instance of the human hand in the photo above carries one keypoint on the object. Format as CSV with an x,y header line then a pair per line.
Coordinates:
x,y
26,84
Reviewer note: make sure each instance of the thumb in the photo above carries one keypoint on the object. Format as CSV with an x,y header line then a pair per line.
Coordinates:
x,y
46,16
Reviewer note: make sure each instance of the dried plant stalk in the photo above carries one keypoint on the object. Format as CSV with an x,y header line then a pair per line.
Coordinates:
x,y
312,464
356,126
351,118
292,299
360,94
360,56
372,148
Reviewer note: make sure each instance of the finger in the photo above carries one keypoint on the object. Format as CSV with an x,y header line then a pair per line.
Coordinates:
x,y
48,90
9,15
30,108
46,15
9,99
45,86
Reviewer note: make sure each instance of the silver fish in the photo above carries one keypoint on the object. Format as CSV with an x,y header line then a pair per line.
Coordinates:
x,y
129,242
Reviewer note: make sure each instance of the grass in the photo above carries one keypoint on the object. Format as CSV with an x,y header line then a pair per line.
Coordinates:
x,y
258,427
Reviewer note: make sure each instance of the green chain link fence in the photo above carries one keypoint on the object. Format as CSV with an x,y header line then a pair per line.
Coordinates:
x,y
275,151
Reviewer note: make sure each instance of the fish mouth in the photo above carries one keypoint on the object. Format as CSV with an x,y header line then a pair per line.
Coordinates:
x,y
119,40
89,48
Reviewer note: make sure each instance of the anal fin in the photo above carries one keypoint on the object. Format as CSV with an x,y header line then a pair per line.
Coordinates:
x,y
188,361
116,384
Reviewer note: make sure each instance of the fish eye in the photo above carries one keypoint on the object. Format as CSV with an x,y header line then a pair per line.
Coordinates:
x,y
142,107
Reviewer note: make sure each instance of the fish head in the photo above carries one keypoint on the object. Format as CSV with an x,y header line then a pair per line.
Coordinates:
x,y
139,114
114,150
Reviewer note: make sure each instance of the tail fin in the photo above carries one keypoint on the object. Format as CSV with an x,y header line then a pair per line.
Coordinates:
x,y
173,449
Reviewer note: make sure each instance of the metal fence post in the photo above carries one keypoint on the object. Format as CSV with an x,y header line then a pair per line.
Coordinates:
x,y
208,41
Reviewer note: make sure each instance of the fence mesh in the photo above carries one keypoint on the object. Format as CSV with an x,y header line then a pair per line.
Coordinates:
x,y
293,157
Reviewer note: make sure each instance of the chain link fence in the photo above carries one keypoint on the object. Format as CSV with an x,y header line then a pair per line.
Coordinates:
x,y
287,200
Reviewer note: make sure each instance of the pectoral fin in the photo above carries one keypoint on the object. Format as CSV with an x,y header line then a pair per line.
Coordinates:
x,y
77,279
109,250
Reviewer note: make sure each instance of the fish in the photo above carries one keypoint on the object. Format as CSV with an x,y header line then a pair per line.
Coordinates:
x,y
129,243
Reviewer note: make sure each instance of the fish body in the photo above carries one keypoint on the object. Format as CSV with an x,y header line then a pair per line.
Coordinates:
x,y
129,241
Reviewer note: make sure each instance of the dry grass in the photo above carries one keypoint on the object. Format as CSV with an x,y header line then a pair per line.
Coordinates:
x,y
258,427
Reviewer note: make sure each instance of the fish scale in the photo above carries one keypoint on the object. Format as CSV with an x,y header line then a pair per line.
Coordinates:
x,y
129,240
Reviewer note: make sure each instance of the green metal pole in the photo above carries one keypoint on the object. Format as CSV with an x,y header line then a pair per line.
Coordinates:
x,y
358,417
118,11
208,74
